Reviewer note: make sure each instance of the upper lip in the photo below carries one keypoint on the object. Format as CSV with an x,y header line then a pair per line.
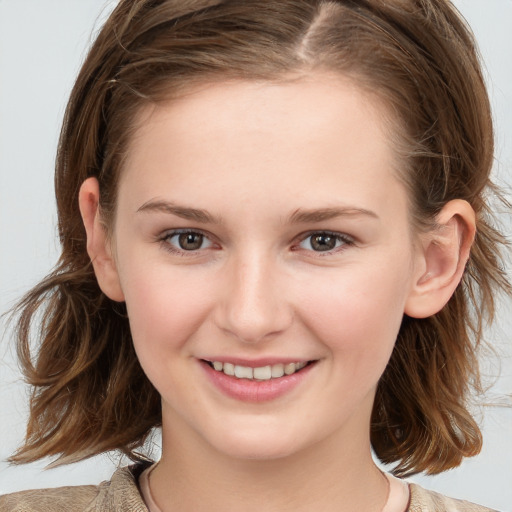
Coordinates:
x,y
256,363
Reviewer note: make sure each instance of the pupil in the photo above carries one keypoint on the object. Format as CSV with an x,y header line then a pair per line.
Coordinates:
x,y
323,242
190,241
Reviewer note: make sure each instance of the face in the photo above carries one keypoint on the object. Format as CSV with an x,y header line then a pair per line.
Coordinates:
x,y
261,231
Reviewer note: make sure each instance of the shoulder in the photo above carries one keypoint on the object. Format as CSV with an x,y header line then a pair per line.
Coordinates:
x,y
119,493
423,500
54,500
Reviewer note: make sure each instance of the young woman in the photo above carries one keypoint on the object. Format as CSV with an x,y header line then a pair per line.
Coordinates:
x,y
276,247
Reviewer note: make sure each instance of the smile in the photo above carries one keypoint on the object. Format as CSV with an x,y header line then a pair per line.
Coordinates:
x,y
249,383
261,373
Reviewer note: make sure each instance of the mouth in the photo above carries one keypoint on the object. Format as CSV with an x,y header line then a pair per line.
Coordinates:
x,y
260,373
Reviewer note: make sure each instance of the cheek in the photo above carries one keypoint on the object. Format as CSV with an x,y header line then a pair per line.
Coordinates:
x,y
357,313
165,306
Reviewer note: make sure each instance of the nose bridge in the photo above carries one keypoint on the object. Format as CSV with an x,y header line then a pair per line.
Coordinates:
x,y
254,305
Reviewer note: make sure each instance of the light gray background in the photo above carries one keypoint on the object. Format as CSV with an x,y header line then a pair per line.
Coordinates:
x,y
42,43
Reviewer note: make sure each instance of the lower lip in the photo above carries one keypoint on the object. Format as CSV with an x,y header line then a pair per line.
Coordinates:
x,y
247,390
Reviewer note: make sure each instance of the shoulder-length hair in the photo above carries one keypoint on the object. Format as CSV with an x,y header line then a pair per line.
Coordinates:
x,y
418,57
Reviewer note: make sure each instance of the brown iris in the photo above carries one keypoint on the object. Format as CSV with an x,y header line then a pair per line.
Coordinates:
x,y
190,241
323,242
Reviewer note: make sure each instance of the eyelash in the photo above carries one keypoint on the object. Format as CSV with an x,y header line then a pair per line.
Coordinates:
x,y
167,245
342,239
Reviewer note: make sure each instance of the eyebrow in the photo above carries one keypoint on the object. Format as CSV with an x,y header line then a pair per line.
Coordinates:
x,y
321,214
184,212
297,217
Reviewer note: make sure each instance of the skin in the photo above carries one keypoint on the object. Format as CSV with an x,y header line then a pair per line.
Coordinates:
x,y
258,157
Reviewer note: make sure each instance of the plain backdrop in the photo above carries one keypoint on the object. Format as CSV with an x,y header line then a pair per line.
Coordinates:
x,y
42,43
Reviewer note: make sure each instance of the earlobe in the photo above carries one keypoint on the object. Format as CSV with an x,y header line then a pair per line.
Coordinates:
x,y
444,254
98,246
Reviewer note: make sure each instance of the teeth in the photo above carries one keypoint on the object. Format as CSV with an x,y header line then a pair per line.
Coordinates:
x,y
261,373
289,368
228,368
277,371
243,372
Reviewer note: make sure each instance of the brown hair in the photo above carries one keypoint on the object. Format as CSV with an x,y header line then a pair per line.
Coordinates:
x,y
89,393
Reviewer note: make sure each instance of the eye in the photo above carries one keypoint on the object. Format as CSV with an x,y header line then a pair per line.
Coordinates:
x,y
186,241
324,241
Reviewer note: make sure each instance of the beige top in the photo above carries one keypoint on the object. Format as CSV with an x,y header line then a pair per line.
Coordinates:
x,y
122,493
397,501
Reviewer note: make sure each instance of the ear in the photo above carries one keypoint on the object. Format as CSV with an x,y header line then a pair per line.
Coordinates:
x,y
442,259
98,245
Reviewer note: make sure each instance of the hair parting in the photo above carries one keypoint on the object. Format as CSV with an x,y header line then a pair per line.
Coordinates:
x,y
418,57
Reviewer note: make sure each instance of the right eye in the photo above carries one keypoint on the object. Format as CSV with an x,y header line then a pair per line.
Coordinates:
x,y
186,241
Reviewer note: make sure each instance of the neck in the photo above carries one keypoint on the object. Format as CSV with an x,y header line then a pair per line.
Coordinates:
x,y
332,475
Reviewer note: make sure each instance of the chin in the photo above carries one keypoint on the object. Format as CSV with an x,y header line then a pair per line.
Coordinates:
x,y
257,445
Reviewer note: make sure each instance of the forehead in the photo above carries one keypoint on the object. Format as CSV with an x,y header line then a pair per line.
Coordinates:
x,y
317,100
320,133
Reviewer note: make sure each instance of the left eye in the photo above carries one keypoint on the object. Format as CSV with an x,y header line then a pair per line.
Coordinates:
x,y
188,241
323,242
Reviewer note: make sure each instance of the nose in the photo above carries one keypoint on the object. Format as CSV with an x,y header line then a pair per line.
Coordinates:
x,y
254,304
